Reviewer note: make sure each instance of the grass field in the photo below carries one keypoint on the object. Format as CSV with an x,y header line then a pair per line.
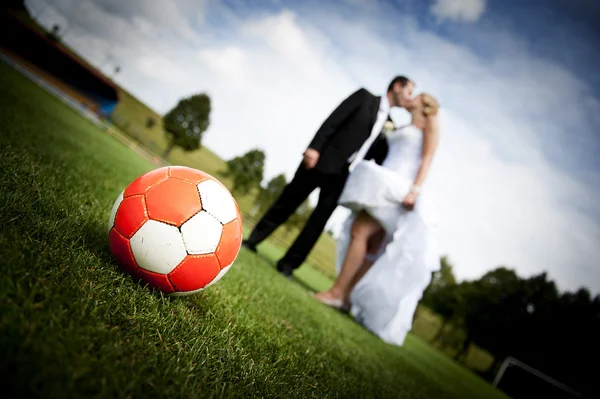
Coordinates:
x,y
72,325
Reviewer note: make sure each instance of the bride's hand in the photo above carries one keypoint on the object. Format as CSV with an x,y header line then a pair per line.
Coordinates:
x,y
409,201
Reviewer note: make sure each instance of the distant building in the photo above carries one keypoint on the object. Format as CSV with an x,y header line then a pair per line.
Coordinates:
x,y
43,55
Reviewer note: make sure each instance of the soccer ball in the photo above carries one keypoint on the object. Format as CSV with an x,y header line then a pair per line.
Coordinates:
x,y
175,228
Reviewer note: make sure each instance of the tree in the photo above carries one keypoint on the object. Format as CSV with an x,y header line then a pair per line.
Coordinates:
x,y
186,123
547,331
493,303
14,5
246,171
267,195
443,295
441,279
570,338
448,302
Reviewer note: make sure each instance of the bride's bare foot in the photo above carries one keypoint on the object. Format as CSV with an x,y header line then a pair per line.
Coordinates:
x,y
330,299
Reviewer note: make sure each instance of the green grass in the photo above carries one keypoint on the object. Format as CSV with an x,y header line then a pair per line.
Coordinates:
x,y
72,325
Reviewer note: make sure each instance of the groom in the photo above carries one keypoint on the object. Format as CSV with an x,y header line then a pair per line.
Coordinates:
x,y
355,123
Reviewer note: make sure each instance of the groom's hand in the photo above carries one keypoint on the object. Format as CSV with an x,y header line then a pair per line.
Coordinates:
x,y
311,157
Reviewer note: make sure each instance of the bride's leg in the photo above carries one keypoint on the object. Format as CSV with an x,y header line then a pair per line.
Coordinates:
x,y
373,245
362,229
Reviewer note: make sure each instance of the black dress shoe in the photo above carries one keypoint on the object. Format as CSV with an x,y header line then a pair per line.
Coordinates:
x,y
249,245
286,270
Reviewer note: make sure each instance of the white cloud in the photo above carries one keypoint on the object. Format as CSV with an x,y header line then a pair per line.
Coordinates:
x,y
273,79
229,62
458,10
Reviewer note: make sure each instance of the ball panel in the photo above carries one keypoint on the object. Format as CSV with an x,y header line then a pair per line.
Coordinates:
x,y
146,181
173,201
219,276
195,272
217,201
230,244
201,234
113,212
131,215
156,280
191,175
158,247
121,251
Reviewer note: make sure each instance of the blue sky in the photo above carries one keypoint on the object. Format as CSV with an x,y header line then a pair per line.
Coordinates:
x,y
516,176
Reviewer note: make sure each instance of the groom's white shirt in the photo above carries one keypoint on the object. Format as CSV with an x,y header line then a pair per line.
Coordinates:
x,y
382,115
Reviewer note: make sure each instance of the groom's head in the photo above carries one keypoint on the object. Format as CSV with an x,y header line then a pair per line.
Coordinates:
x,y
400,91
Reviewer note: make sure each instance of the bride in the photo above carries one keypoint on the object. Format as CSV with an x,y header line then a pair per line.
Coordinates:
x,y
388,249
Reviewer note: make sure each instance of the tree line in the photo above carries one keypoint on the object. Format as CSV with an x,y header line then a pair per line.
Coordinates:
x,y
529,319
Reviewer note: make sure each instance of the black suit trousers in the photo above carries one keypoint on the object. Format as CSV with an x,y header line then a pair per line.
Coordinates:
x,y
304,182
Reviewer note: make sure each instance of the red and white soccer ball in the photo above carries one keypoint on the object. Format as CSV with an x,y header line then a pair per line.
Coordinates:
x,y
175,228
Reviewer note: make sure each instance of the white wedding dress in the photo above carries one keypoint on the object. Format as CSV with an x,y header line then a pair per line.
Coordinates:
x,y
386,298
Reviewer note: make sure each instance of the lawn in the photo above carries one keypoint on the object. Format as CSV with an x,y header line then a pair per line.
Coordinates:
x,y
72,325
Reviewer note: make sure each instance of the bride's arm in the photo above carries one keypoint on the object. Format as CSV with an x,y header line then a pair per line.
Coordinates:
x,y
431,134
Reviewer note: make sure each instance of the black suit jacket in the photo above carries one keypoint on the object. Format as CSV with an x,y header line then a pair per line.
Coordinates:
x,y
345,131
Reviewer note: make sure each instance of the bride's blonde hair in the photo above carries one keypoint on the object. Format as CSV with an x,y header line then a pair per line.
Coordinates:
x,y
430,105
